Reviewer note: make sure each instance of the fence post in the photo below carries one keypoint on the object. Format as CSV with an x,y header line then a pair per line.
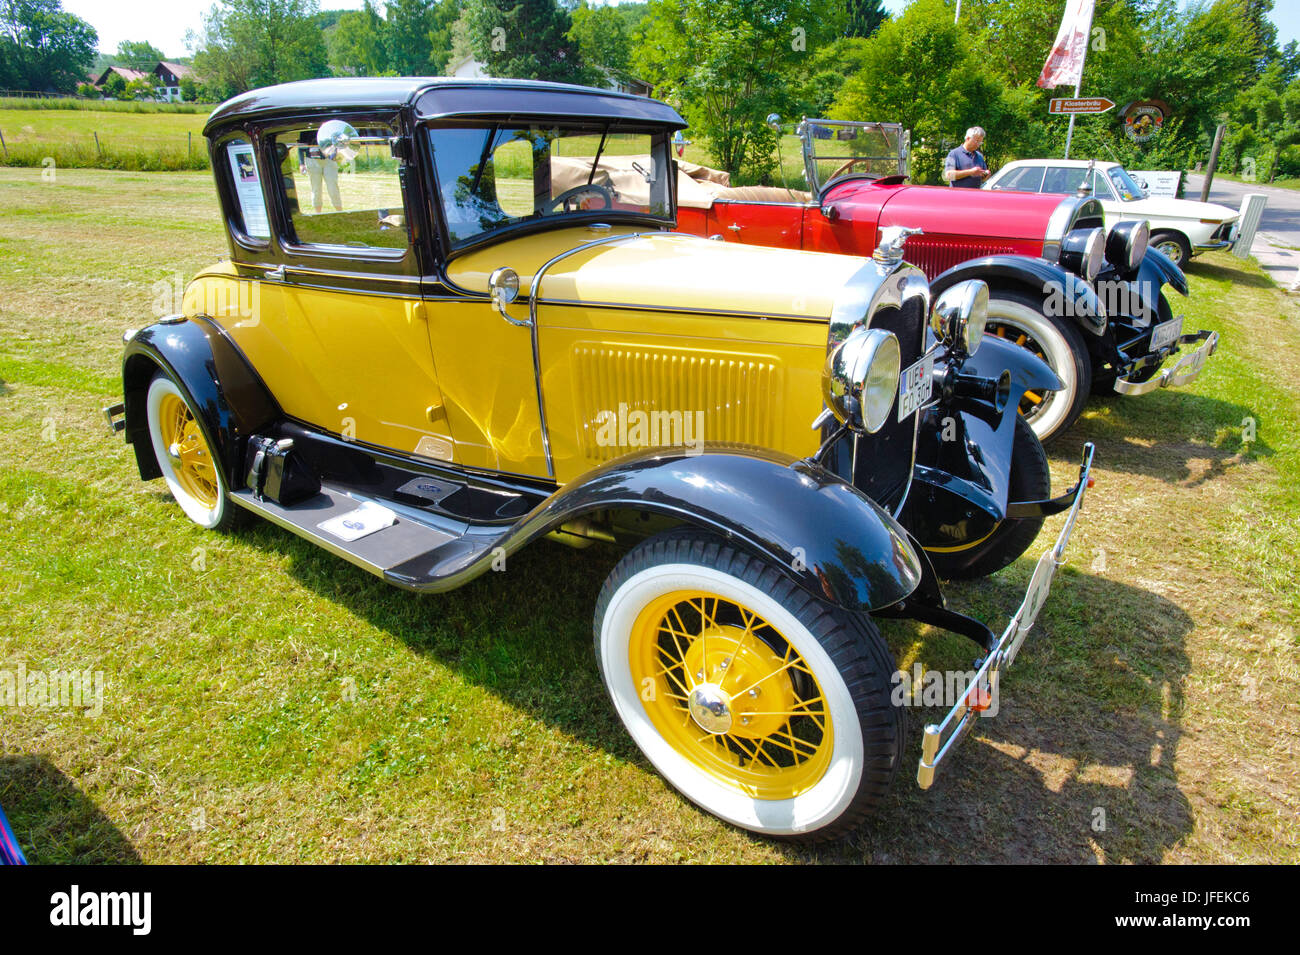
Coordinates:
x,y
3,146
189,143
98,150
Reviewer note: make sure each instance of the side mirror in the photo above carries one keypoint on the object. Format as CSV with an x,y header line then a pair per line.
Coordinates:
x,y
774,121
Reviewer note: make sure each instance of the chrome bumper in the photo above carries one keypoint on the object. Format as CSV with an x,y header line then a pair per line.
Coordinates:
x,y
1214,246
941,738
114,415
1182,372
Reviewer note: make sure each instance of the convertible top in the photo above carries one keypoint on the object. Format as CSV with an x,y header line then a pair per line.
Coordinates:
x,y
436,97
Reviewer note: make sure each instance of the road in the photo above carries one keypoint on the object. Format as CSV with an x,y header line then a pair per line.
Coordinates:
x,y
1278,237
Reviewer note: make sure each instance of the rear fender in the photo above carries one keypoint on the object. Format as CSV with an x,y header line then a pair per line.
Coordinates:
x,y
216,379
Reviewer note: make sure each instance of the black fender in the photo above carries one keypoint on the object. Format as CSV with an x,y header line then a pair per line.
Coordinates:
x,y
217,380
1158,269
1039,277
823,533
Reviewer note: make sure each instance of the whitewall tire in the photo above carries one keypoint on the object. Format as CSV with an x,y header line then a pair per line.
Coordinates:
x,y
185,455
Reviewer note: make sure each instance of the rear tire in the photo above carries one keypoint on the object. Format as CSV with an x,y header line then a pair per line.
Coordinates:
x,y
1019,317
185,456
1031,480
758,702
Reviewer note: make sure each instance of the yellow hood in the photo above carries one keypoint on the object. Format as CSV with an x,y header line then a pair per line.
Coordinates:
x,y
667,271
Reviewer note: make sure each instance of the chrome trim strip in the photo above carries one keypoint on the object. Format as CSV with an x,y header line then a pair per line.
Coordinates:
x,y
671,309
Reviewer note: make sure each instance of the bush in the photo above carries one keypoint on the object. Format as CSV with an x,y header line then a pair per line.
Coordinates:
x,y
87,90
1288,162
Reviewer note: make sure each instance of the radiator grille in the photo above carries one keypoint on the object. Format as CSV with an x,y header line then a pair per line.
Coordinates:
x,y
730,400
883,462
935,255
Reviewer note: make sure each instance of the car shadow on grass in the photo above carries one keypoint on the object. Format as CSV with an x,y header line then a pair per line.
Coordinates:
x,y
54,821
1176,436
1223,273
1086,725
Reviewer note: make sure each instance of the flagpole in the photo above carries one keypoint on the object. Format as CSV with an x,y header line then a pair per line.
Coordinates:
x,y
1087,35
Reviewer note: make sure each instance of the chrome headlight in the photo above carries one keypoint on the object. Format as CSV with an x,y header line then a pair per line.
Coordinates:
x,y
1127,244
960,314
1083,251
860,379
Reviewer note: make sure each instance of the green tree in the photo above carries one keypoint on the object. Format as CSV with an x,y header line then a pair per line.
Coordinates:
x,y
357,44
138,55
727,64
43,47
864,17
115,86
189,87
604,39
923,71
251,43
528,39
410,50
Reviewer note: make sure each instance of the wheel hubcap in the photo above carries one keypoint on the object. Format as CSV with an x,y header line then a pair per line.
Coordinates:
x,y
731,694
187,451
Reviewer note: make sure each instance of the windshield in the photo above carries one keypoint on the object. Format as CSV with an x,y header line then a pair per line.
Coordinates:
x,y
834,149
1128,190
497,175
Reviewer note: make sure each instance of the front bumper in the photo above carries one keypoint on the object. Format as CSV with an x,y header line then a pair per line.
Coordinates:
x,y
1184,371
941,739
1213,246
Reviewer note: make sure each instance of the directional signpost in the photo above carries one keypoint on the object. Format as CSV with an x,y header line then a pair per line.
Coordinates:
x,y
1080,105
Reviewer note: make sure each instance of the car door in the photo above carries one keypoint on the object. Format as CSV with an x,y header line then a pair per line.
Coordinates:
x,y
342,337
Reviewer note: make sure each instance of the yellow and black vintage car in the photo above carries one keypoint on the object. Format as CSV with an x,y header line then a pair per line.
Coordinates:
x,y
455,320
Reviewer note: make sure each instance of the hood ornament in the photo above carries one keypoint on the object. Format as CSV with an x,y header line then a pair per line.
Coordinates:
x,y
890,249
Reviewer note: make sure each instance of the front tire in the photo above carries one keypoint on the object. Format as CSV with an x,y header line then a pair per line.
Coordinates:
x,y
1020,318
1031,480
761,704
1174,245
185,456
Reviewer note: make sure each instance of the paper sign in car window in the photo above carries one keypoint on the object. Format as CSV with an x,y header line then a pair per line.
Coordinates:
x,y
248,189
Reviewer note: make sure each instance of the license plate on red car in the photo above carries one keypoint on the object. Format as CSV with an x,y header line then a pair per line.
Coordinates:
x,y
1166,333
914,386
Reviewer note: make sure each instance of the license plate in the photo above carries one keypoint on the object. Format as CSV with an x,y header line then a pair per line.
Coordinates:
x,y
914,386
1166,333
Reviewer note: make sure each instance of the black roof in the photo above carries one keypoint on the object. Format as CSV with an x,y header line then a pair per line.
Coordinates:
x,y
443,96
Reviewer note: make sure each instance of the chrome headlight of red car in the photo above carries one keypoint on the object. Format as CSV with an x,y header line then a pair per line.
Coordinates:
x,y
1083,252
860,378
1127,244
960,314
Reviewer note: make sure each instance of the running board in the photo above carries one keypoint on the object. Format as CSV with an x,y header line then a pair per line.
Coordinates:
x,y
417,551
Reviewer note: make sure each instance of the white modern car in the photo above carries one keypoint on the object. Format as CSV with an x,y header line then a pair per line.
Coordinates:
x,y
1180,228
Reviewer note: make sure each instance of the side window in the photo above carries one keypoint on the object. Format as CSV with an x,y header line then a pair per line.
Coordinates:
x,y
1063,179
247,188
340,186
1025,179
1100,187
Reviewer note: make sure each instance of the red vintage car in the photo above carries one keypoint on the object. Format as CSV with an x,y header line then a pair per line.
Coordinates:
x,y
1090,303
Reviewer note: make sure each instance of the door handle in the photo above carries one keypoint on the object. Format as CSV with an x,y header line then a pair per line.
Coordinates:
x,y
275,275
733,227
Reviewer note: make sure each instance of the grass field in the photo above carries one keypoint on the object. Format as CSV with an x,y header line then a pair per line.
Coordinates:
x,y
154,140
265,701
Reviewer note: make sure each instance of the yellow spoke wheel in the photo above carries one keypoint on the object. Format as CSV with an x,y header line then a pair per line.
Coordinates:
x,y
754,698
730,693
185,456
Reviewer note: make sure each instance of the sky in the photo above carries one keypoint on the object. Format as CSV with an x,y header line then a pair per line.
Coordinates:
x,y
164,22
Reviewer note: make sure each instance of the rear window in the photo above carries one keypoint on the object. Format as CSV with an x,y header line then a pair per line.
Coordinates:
x,y
341,186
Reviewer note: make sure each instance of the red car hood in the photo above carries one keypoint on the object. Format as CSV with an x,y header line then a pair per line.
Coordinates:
x,y
945,210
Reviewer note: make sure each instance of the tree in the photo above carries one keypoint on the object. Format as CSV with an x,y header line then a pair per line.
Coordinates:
x,y
250,43
189,89
864,17
921,70
115,86
138,55
410,22
357,45
527,39
729,63
604,39
42,47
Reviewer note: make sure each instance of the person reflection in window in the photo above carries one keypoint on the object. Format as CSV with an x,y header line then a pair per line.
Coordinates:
x,y
319,170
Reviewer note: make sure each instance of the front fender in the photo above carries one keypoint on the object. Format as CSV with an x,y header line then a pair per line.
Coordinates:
x,y
1028,372
1040,277
216,379
823,533
1158,269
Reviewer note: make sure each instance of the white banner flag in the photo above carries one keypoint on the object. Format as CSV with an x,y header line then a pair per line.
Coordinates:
x,y
1064,66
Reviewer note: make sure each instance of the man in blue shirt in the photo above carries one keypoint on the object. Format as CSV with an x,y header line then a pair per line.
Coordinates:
x,y
965,166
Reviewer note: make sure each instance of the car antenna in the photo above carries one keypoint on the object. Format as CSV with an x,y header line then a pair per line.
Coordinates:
x,y
774,121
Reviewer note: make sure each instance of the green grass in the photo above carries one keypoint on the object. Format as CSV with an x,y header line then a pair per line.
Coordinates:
x,y
101,105
142,141
266,701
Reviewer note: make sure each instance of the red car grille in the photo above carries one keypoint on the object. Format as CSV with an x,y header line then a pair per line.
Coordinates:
x,y
933,256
